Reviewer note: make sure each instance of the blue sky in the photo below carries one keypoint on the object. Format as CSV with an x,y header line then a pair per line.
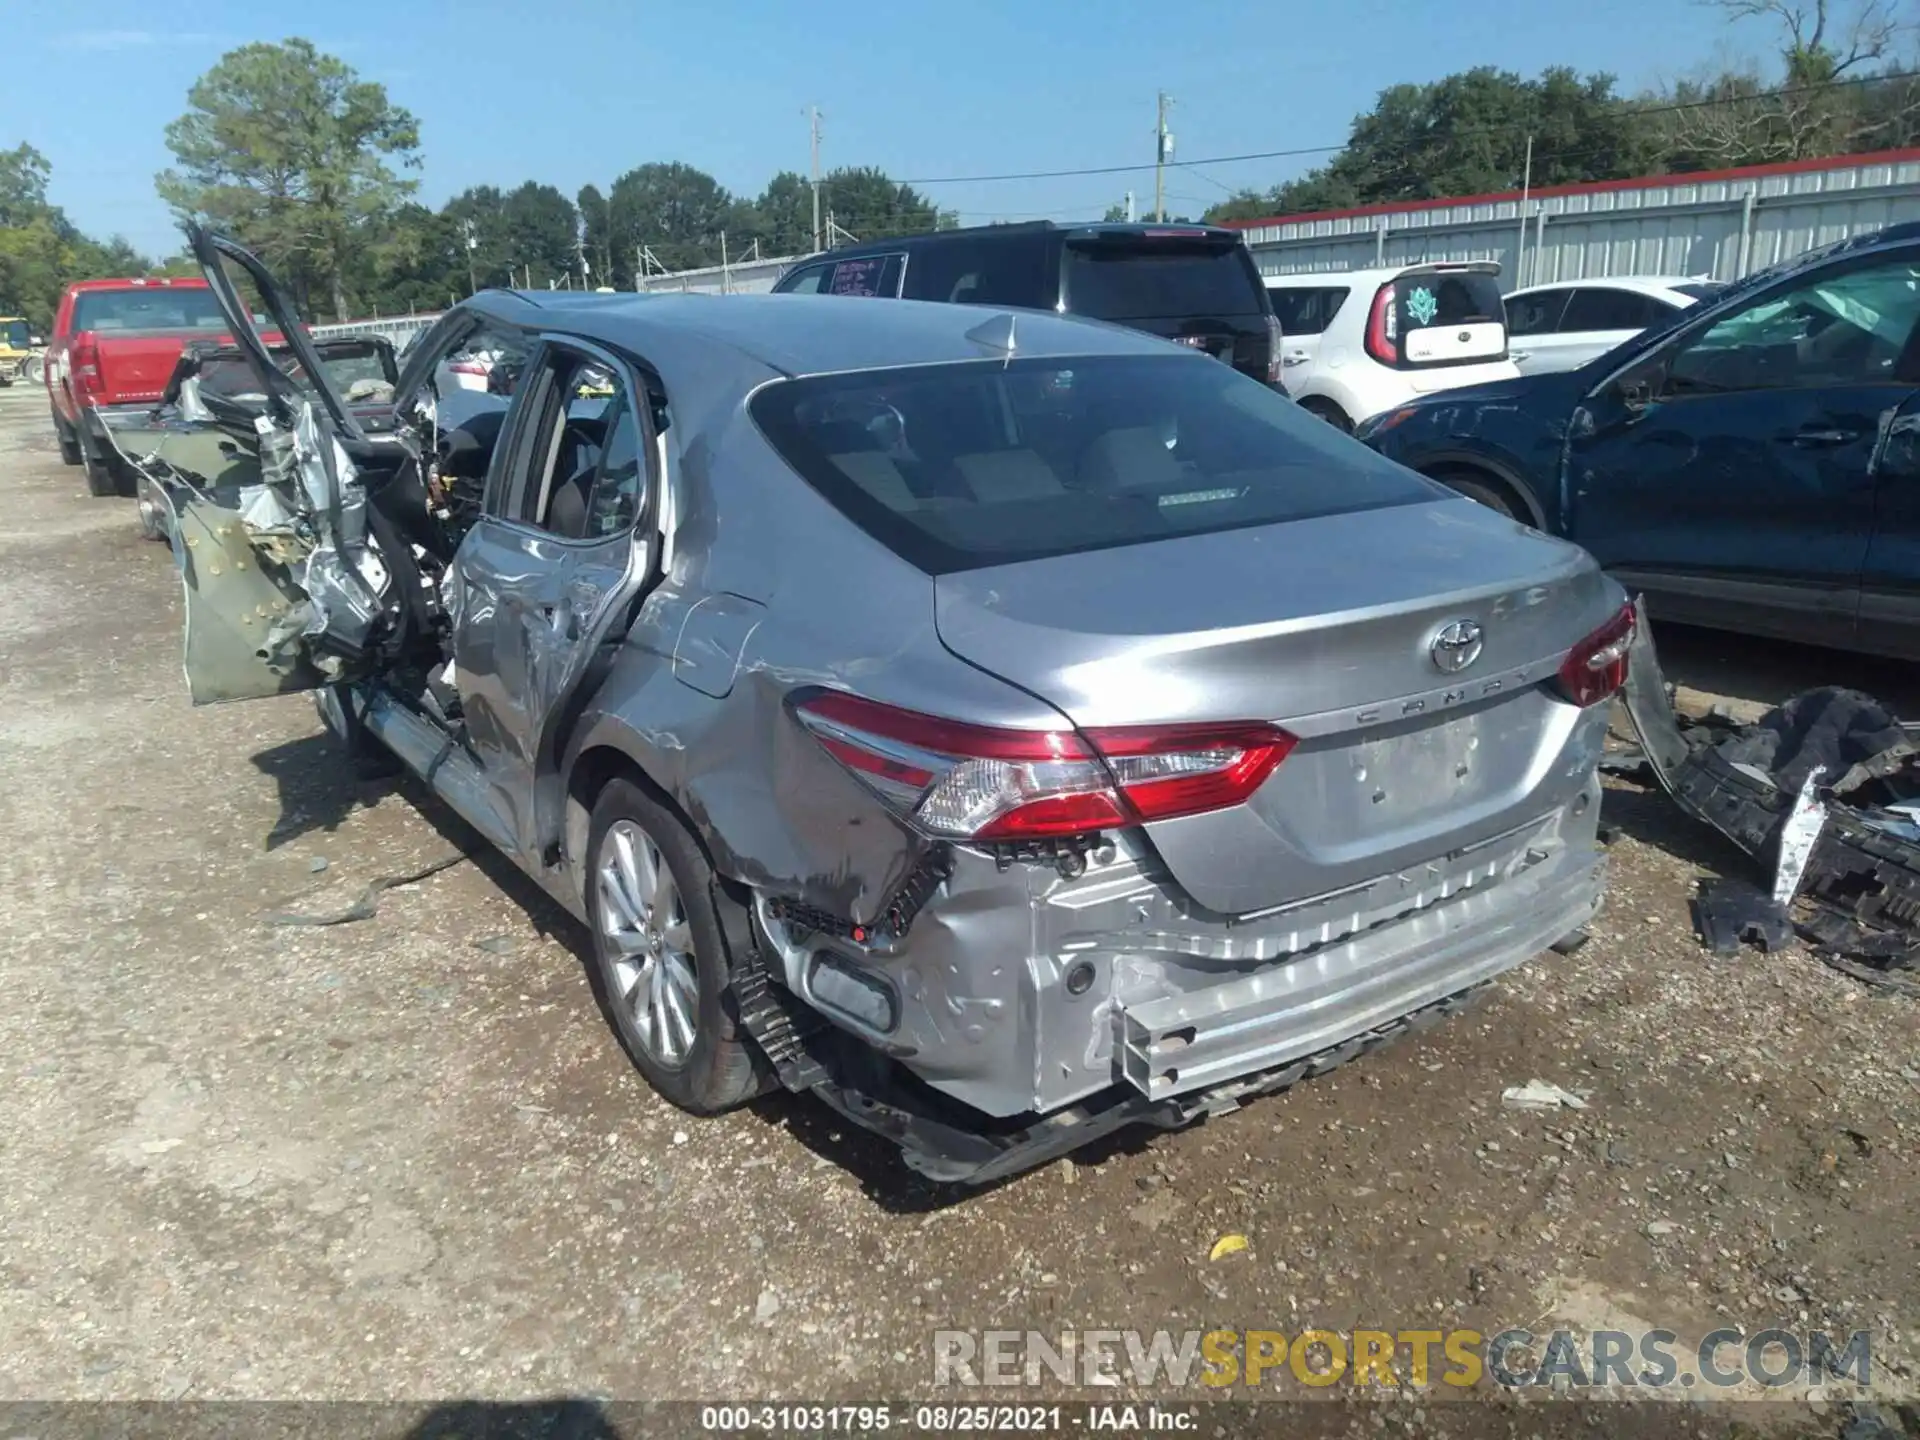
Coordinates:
x,y
572,93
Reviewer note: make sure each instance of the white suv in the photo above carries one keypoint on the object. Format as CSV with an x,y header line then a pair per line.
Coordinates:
x,y
1362,341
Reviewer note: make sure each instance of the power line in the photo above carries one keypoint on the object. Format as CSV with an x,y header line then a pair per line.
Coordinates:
x,y
1518,128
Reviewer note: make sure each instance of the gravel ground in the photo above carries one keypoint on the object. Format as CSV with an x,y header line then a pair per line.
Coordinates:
x,y
406,1160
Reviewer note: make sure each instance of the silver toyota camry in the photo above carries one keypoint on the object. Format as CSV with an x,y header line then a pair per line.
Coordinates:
x,y
1008,727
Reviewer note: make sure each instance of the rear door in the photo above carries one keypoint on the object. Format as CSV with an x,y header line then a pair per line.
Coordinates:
x,y
1890,579
1304,312
1198,287
1532,320
1446,322
564,548
1729,472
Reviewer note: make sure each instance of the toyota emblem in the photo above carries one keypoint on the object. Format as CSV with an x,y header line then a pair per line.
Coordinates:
x,y
1456,646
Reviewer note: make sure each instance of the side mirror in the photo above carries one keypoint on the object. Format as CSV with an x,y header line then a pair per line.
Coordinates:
x,y
1641,386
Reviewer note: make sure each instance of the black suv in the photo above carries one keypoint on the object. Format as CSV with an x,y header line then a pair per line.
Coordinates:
x,y
1195,284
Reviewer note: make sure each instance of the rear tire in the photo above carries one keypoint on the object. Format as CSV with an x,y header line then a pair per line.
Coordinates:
x,y
1490,493
69,442
152,506
1329,412
661,958
101,480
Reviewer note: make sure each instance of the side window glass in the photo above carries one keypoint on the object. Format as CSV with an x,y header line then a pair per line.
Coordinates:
x,y
1602,309
1309,311
952,271
870,275
1848,327
1536,314
567,462
807,281
618,489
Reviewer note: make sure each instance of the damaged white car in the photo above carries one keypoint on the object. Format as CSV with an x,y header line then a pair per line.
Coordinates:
x,y
1007,727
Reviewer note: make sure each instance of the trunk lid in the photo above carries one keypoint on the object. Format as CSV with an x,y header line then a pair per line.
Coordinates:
x,y
1327,627
135,369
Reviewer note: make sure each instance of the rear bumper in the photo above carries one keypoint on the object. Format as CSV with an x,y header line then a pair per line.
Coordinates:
x,y
101,419
1182,1043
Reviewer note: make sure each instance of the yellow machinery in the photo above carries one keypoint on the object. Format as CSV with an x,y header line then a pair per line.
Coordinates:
x,y
20,351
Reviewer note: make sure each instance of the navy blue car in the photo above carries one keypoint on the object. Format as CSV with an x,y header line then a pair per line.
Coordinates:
x,y
1752,465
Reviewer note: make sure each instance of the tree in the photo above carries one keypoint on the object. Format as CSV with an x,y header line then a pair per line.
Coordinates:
x,y
674,210
786,214
41,251
864,202
287,148
533,230
1465,134
24,173
1740,117
544,230
596,230
418,262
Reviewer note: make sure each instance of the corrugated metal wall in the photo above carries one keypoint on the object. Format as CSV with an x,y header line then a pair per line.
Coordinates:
x,y
1722,227
753,277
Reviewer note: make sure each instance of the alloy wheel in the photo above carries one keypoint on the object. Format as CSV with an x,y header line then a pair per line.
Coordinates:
x,y
644,921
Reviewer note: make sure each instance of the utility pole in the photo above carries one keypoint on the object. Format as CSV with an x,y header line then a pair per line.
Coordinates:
x,y
1520,240
473,243
725,272
813,117
639,267
1163,148
1131,217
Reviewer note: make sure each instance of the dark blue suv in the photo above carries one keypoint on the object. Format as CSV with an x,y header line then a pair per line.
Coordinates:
x,y
1751,465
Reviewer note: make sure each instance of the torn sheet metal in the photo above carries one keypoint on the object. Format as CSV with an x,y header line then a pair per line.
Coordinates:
x,y
1798,833
1844,859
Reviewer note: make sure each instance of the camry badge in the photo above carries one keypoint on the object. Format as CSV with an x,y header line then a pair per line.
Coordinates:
x,y
1456,646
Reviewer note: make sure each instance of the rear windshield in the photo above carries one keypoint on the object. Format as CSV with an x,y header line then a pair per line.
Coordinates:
x,y
1448,317
958,466
150,309
1151,279
1700,289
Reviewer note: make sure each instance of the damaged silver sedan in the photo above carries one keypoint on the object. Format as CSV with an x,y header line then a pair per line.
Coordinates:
x,y
1008,727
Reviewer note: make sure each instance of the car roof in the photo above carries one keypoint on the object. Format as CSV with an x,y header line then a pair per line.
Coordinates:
x,y
141,282
976,233
1377,275
804,334
1645,284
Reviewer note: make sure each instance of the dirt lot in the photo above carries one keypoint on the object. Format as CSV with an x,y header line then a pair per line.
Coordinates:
x,y
405,1158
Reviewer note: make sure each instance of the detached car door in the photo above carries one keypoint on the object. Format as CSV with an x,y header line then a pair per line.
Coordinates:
x,y
563,550
1728,472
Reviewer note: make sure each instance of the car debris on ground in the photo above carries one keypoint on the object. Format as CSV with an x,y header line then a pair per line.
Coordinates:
x,y
1841,855
1540,1095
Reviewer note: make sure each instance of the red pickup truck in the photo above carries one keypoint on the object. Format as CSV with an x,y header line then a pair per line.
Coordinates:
x,y
114,344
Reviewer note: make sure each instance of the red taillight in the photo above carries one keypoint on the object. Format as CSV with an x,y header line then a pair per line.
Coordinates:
x,y
84,357
1597,666
978,782
1382,337
1276,337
